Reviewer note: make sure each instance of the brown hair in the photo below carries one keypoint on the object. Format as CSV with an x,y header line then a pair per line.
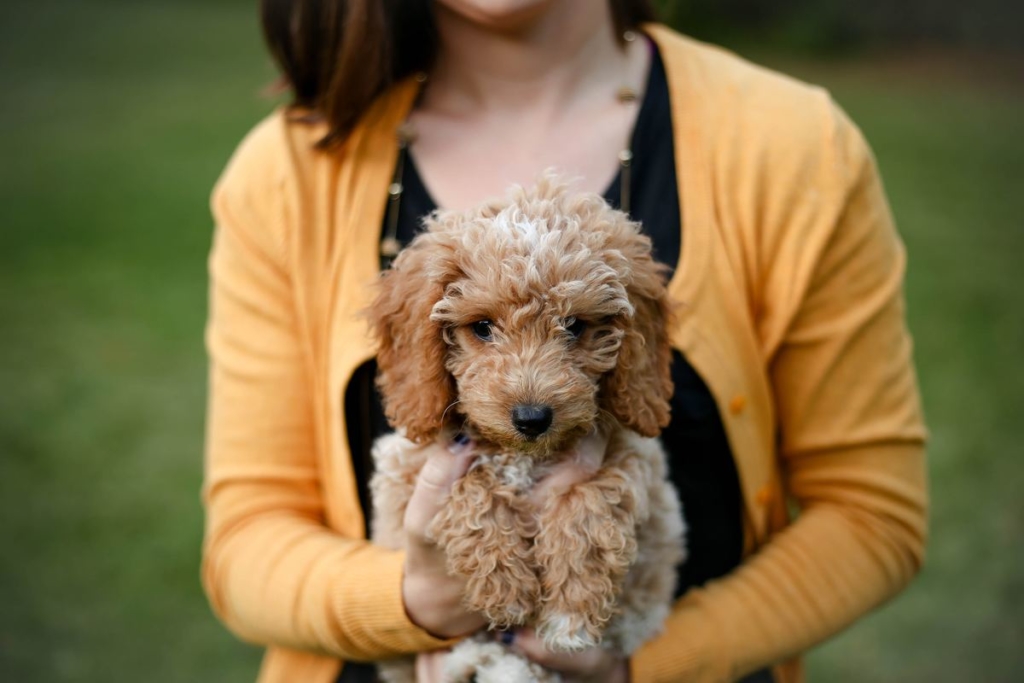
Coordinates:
x,y
337,56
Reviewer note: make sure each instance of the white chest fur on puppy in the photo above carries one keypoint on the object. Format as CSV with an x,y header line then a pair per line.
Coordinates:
x,y
526,324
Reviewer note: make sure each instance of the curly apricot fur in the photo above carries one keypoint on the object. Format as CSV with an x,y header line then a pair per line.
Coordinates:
x,y
597,563
487,531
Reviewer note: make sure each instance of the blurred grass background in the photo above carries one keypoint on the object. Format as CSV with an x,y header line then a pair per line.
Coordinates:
x,y
116,118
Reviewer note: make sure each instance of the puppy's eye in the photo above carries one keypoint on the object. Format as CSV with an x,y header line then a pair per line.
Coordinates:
x,y
575,327
482,329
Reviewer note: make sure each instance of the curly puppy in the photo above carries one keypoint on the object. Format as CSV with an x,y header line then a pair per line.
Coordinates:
x,y
526,324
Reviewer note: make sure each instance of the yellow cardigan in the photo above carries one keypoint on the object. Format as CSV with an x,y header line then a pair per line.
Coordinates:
x,y
790,288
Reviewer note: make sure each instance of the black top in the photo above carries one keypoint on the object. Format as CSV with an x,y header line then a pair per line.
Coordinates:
x,y
700,461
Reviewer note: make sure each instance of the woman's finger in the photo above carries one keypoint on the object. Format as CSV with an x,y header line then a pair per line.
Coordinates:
x,y
572,664
431,595
589,451
580,466
430,666
443,468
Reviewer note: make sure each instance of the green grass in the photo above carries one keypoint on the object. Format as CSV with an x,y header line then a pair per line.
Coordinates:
x,y
116,118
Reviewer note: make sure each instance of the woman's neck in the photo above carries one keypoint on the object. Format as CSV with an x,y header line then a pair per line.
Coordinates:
x,y
565,51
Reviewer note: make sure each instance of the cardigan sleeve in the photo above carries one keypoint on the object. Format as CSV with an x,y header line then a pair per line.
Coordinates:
x,y
850,439
272,569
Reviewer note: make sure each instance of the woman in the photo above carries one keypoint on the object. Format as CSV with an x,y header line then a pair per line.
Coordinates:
x,y
793,375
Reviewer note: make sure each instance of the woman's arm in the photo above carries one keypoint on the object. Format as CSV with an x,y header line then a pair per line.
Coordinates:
x,y
851,445
273,571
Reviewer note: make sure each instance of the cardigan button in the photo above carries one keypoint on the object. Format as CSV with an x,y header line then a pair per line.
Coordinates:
x,y
737,404
764,495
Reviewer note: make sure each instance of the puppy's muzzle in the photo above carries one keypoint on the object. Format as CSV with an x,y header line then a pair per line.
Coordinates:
x,y
532,420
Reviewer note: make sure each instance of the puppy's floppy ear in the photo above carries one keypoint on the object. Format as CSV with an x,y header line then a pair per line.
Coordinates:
x,y
416,387
637,391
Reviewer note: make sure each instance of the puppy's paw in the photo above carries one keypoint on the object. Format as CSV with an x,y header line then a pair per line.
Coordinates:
x,y
567,633
507,596
482,661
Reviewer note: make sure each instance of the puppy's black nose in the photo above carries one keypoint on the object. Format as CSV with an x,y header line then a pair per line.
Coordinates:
x,y
530,420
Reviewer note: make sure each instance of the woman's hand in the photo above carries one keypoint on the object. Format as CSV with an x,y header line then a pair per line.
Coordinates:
x,y
432,598
595,665
579,466
430,666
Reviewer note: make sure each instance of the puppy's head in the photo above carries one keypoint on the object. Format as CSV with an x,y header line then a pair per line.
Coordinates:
x,y
525,322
